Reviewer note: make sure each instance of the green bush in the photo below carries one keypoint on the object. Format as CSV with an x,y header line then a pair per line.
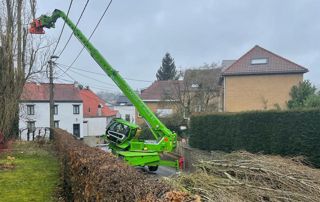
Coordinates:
x,y
271,132
172,122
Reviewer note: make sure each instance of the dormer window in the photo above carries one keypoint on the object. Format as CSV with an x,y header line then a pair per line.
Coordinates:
x,y
259,61
195,85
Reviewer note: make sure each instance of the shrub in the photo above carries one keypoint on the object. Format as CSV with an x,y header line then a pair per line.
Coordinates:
x,y
90,174
172,122
270,132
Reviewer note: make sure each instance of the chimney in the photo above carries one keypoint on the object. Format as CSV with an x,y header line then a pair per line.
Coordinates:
x,y
76,84
99,112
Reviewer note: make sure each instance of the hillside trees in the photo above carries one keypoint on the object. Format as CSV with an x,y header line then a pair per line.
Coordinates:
x,y
21,58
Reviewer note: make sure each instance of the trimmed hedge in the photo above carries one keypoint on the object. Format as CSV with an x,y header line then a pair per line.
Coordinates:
x,y
271,132
90,174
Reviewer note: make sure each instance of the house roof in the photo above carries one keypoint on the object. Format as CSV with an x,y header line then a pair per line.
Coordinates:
x,y
227,63
206,78
123,100
40,92
275,64
161,90
91,104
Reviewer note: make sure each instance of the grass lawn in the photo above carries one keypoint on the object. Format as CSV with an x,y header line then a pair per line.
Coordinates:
x,y
34,176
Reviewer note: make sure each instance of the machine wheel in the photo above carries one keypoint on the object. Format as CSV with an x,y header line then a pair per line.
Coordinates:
x,y
153,168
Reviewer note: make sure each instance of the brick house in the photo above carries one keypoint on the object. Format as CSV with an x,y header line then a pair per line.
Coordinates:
x,y
199,91
202,90
259,80
161,98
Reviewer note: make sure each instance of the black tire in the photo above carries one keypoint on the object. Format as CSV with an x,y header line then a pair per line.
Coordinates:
x,y
152,168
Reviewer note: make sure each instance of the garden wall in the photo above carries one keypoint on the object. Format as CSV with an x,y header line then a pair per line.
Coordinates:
x,y
270,132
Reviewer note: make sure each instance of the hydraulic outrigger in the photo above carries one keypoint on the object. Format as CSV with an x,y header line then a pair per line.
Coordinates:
x,y
123,136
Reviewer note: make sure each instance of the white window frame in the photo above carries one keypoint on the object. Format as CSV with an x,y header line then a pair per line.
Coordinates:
x,y
259,61
56,109
56,124
31,125
164,112
76,109
30,110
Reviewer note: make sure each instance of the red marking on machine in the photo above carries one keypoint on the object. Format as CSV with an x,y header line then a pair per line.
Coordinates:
x,y
36,27
181,163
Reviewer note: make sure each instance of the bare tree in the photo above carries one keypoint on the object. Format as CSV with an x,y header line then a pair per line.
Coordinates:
x,y
199,91
22,57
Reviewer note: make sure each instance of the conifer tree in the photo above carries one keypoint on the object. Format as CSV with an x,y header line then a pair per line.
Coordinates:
x,y
167,70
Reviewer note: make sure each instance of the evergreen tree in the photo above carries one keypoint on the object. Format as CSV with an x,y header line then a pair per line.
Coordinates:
x,y
299,94
167,70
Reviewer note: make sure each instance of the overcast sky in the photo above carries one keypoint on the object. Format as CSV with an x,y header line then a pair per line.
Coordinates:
x,y
135,35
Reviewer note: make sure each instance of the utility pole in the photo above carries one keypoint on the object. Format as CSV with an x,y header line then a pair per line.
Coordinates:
x,y
51,86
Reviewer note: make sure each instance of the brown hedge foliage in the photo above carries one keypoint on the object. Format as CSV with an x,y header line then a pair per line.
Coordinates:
x,y
90,174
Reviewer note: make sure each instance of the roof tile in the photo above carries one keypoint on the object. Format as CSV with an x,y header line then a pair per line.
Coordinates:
x,y
275,65
160,90
40,92
90,105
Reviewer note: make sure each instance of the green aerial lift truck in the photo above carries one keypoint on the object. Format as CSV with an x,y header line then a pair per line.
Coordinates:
x,y
123,136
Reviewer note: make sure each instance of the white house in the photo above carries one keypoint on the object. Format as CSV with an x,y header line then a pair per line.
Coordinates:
x,y
125,109
35,112
96,114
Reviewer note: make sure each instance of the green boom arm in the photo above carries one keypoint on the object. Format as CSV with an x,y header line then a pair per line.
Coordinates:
x,y
159,130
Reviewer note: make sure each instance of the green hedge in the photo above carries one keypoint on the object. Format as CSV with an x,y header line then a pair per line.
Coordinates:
x,y
271,132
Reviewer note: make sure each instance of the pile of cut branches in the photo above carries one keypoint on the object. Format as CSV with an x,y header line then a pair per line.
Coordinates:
x,y
242,176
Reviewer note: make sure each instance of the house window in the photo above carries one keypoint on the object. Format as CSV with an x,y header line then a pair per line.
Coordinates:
x,y
198,108
76,130
56,124
30,109
55,109
195,85
127,117
76,109
164,112
31,125
259,61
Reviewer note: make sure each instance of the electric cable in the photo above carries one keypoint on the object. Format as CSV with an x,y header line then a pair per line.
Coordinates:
x,y
65,74
54,50
84,8
88,77
105,11
82,69
91,86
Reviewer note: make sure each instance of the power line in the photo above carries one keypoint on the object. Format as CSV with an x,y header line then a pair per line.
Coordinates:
x,y
62,28
91,86
86,76
105,11
65,80
82,69
84,8
65,74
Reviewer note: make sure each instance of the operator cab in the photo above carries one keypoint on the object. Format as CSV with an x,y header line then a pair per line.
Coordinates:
x,y
119,130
